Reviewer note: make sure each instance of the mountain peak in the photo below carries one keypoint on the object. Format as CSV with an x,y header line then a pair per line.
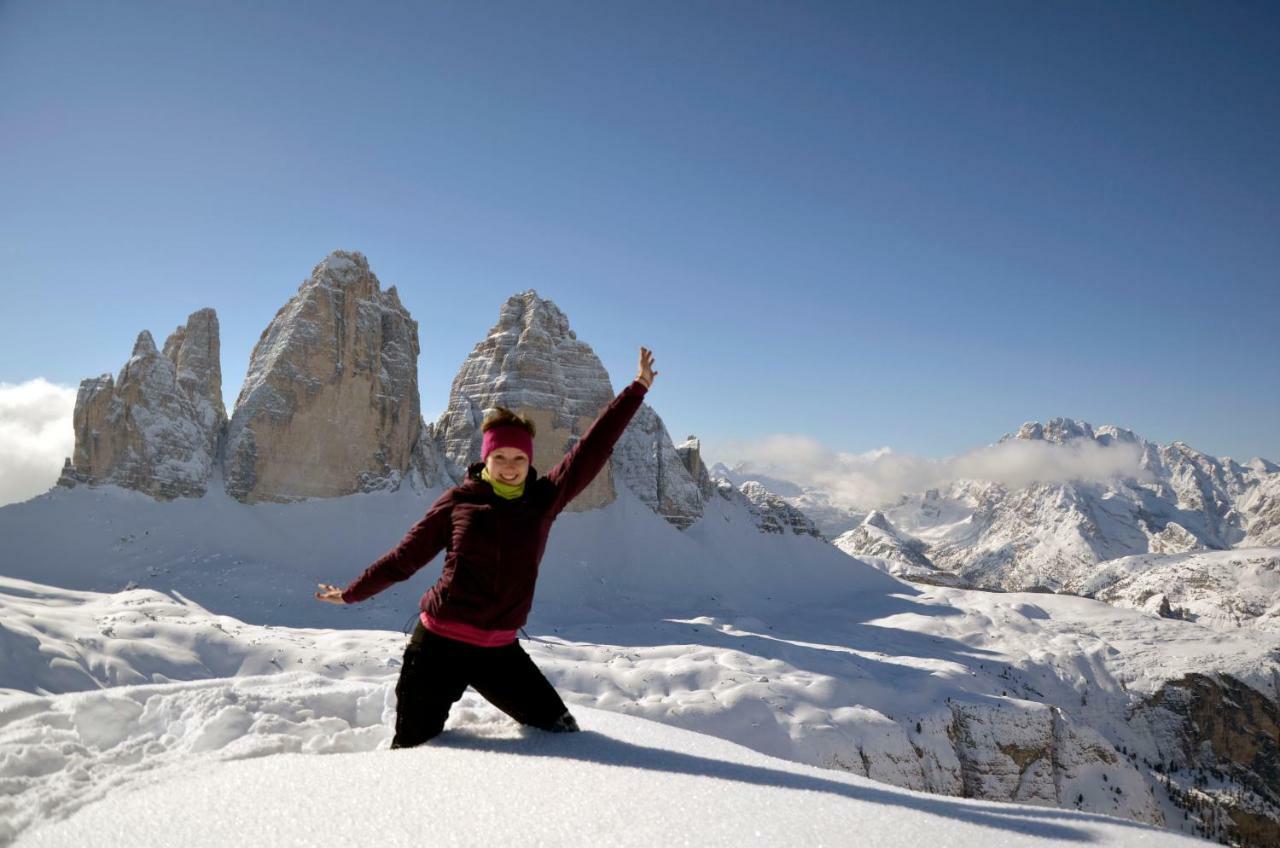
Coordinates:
x,y
880,521
527,311
1056,430
341,263
330,404
1264,466
144,345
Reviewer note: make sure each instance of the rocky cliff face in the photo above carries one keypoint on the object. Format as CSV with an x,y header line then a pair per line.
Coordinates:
x,y
1034,753
532,362
651,466
330,405
156,427
196,353
1217,756
690,453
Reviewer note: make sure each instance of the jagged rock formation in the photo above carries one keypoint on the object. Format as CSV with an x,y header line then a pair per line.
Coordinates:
x,y
532,362
157,426
649,464
195,351
330,405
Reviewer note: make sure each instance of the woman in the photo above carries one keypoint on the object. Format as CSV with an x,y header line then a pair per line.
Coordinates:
x,y
494,527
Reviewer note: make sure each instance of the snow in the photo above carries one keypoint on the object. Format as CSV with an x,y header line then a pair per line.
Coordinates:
x,y
154,651
196,754
1219,589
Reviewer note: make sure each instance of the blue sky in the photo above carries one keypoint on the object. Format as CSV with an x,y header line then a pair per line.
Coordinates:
x,y
905,224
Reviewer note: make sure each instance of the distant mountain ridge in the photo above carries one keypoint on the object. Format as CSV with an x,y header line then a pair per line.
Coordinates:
x,y
1186,517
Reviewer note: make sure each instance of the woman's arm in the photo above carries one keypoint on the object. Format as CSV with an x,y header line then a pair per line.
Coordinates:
x,y
419,546
584,460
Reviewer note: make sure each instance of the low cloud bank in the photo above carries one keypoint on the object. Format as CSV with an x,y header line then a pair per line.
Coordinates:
x,y
35,436
879,477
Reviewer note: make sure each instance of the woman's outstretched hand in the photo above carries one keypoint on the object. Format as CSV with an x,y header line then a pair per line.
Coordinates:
x,y
329,593
647,373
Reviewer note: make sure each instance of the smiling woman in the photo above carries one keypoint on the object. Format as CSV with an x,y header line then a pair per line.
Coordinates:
x,y
494,527
507,449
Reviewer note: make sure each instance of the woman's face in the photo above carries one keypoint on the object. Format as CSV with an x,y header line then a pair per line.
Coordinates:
x,y
510,465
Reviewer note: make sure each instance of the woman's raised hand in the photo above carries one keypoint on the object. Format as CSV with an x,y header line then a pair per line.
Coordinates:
x,y
647,373
330,593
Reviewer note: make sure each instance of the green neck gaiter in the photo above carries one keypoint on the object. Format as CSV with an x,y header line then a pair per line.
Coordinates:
x,y
504,490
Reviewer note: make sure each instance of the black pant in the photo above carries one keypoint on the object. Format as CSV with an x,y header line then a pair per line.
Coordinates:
x,y
437,670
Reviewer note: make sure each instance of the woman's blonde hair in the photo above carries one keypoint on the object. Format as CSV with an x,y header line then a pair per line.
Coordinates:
x,y
501,415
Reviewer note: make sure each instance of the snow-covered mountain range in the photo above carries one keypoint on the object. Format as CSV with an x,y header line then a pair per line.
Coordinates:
x,y
1187,533
135,595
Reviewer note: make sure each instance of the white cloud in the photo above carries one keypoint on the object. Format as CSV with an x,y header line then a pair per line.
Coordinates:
x,y
878,477
36,434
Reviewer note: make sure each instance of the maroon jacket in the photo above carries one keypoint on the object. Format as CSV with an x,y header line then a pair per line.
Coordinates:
x,y
494,545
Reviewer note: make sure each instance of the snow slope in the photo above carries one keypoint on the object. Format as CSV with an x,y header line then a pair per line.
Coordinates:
x,y
876,689
261,562
1220,589
777,642
225,761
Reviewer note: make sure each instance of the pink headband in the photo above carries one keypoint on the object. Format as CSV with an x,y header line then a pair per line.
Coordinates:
x,y
506,436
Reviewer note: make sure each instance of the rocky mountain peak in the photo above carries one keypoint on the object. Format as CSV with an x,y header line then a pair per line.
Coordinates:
x,y
330,404
195,351
152,428
347,268
1110,433
527,311
531,361
144,345
876,536
1056,430
772,513
879,520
